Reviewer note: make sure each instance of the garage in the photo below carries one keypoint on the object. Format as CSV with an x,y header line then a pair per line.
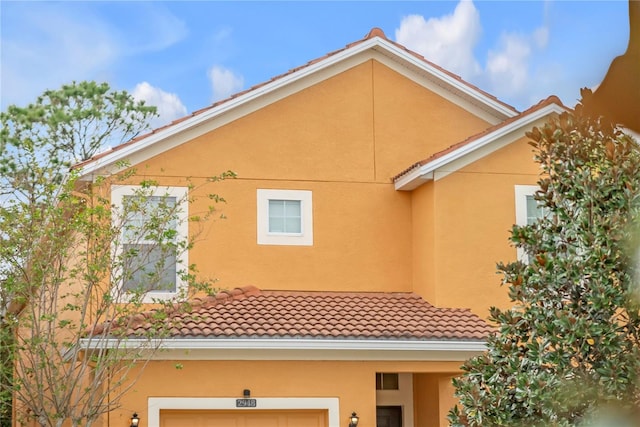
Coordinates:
x,y
243,418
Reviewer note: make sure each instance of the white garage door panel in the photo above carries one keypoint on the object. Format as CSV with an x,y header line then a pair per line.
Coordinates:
x,y
245,418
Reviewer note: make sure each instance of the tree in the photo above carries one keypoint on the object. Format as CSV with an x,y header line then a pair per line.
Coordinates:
x,y
570,346
76,270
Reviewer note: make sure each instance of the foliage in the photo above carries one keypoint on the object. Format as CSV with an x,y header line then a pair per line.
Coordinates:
x,y
74,122
570,344
66,323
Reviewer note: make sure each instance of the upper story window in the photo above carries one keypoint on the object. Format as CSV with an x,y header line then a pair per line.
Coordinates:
x,y
285,217
528,209
146,217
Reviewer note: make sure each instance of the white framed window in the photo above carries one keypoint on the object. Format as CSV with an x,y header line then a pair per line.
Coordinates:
x,y
143,257
285,217
528,210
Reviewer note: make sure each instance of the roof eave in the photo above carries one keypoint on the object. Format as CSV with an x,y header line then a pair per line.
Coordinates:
x,y
299,349
427,171
414,179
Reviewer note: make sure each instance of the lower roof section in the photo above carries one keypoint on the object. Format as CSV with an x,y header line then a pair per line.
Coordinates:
x,y
251,324
251,313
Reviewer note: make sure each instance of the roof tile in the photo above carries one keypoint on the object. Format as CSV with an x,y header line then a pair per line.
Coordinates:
x,y
250,313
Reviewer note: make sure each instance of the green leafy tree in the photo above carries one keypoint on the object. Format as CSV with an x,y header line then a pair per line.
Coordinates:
x,y
68,349
569,347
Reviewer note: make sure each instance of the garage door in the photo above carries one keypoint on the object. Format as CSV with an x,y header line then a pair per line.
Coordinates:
x,y
245,418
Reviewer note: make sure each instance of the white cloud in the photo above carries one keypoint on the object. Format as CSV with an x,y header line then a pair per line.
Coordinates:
x,y
45,56
224,82
447,41
50,44
507,68
541,37
222,35
169,105
157,30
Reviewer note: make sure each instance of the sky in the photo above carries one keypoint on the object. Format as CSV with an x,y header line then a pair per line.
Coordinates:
x,y
184,55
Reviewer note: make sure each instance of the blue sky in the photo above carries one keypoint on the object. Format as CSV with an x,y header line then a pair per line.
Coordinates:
x,y
182,56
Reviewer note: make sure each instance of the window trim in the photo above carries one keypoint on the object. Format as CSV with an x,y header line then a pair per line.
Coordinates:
x,y
522,191
265,237
118,192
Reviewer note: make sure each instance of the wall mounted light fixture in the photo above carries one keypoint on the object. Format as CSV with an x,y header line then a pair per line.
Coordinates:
x,y
134,420
353,420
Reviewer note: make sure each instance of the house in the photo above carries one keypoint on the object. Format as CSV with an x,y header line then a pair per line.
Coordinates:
x,y
375,193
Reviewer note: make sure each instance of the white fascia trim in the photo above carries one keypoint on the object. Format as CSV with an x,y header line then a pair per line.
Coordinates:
x,y
634,135
299,349
175,129
289,344
450,80
413,179
426,172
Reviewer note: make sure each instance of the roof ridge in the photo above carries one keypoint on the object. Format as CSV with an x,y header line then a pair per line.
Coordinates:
x,y
376,32
303,291
225,295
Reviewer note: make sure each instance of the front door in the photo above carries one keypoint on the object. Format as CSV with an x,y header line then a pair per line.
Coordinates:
x,y
388,416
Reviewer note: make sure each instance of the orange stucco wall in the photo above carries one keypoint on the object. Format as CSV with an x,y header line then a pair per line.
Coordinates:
x,y
426,391
342,139
423,244
352,382
472,211
435,393
412,123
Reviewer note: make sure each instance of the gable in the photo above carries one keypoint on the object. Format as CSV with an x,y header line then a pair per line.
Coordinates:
x,y
361,125
375,46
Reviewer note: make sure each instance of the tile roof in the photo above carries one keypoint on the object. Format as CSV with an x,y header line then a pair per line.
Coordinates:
x,y
374,32
251,313
548,101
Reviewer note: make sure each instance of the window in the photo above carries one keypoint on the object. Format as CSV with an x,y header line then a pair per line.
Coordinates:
x,y
285,217
528,210
387,381
145,264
